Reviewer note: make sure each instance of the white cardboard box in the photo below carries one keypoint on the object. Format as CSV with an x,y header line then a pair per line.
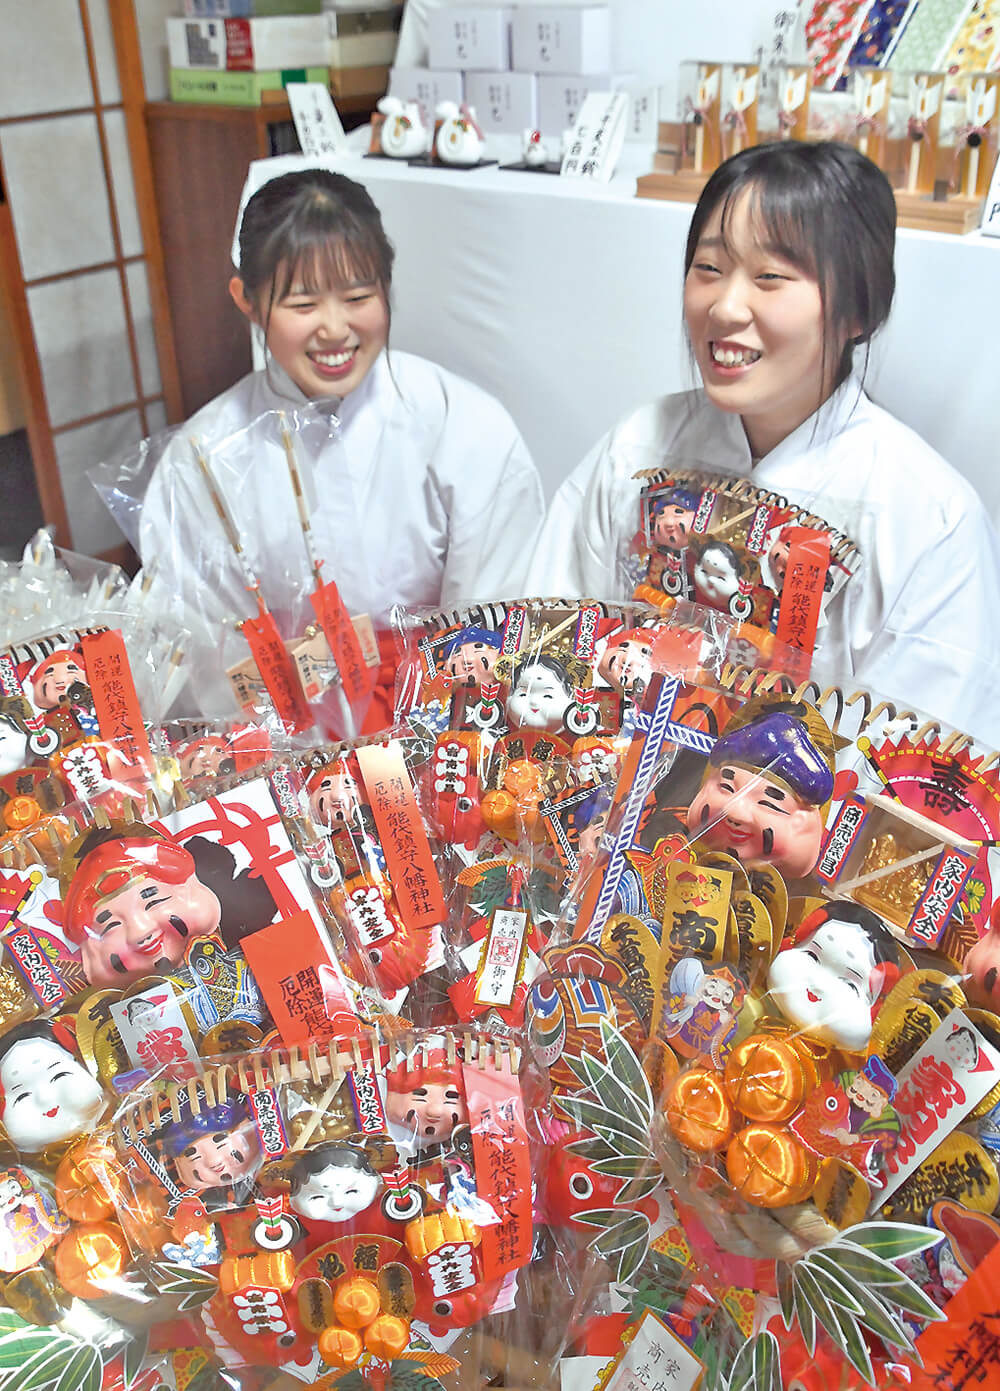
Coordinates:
x,y
474,38
561,39
426,87
362,50
249,45
505,103
560,97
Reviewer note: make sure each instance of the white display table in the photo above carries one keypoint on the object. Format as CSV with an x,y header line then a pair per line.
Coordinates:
x,y
565,302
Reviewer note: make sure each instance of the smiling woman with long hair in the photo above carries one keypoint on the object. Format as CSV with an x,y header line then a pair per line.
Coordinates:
x,y
788,275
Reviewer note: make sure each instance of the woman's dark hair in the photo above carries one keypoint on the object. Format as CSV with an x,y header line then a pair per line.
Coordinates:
x,y
316,227
830,211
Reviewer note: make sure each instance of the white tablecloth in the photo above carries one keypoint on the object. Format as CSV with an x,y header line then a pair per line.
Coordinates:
x,y
564,300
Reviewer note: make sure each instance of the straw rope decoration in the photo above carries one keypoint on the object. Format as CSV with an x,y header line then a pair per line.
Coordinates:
x,y
288,1066
842,547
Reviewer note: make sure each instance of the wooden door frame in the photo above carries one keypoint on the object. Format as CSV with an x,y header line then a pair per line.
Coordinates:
x,y
29,371
13,290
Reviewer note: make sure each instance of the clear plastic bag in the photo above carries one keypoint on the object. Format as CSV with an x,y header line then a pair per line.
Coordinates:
x,y
364,1202
225,526
815,1015
721,542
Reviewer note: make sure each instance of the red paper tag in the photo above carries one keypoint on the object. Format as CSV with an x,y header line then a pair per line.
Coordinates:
x,y
115,701
336,623
969,1340
278,671
808,563
503,1169
291,964
401,830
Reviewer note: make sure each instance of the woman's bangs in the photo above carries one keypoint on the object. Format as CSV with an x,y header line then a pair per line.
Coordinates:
x,y
779,223
327,263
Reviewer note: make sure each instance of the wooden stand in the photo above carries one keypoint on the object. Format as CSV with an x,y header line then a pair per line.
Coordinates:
x,y
682,187
922,213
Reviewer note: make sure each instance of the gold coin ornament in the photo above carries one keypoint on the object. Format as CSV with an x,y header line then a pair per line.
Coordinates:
x,y
901,1030
36,1296
942,992
97,1037
718,859
767,885
841,1195
750,946
235,1036
959,1168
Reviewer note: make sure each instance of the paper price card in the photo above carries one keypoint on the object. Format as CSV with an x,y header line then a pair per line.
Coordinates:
x,y
316,121
656,1360
597,138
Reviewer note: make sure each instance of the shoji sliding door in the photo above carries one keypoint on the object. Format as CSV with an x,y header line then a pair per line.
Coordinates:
x,y
80,263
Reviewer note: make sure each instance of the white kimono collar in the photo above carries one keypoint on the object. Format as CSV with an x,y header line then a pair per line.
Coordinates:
x,y
717,440
792,463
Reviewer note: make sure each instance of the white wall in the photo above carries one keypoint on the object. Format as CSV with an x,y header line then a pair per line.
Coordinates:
x,y
151,17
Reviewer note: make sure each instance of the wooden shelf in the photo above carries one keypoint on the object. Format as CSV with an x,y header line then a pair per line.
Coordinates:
x,y
268,113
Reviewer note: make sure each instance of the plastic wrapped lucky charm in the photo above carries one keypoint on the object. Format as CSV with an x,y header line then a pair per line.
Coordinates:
x,y
837,964
765,792
30,1222
46,1093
